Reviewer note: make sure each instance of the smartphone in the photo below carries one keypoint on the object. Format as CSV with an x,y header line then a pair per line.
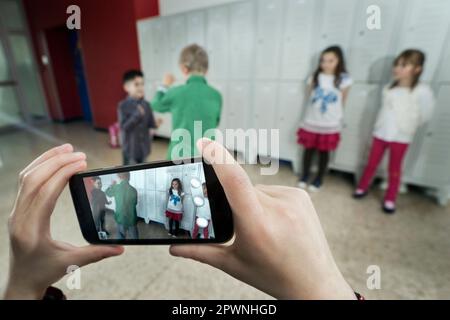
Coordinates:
x,y
153,203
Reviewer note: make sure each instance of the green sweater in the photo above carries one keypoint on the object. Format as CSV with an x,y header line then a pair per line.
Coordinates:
x,y
193,101
126,200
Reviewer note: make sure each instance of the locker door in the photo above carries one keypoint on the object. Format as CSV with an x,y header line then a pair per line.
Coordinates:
x,y
426,26
337,23
196,28
297,40
290,109
189,171
239,106
269,28
371,54
432,166
146,42
444,67
360,114
264,105
242,37
217,42
222,87
165,128
177,41
161,48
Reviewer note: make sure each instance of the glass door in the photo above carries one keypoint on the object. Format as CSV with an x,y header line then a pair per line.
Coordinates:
x,y
21,94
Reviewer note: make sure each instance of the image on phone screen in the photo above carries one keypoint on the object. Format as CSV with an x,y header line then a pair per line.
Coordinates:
x,y
155,203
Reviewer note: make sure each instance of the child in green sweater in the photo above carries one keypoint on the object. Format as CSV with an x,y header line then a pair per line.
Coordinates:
x,y
192,102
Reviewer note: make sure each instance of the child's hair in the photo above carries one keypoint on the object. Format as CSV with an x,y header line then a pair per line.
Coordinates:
x,y
96,178
340,68
131,75
411,56
180,186
194,58
124,176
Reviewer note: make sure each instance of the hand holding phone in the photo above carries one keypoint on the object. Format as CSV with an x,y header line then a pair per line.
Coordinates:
x,y
279,246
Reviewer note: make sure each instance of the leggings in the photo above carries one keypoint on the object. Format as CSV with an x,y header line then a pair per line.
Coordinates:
x,y
324,157
177,226
397,153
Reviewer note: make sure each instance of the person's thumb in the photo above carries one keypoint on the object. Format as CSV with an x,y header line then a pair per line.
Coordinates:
x,y
91,253
235,182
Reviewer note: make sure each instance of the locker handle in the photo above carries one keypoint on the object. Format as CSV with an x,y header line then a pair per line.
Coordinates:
x,y
429,134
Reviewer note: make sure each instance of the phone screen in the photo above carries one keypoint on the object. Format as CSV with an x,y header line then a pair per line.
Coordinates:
x,y
156,203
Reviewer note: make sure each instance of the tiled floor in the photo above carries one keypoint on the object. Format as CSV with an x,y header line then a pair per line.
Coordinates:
x,y
412,248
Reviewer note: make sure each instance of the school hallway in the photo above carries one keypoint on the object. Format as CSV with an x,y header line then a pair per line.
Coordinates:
x,y
411,247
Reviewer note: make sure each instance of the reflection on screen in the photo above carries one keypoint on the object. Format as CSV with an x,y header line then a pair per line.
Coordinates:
x,y
159,203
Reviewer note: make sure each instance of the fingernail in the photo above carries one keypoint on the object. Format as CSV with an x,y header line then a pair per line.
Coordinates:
x,y
80,155
66,146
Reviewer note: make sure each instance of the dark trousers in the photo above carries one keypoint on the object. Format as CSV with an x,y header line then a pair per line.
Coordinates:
x,y
131,160
177,227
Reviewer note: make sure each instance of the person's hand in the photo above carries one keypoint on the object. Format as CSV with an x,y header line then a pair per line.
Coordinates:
x,y
36,260
279,246
141,110
168,79
159,122
114,182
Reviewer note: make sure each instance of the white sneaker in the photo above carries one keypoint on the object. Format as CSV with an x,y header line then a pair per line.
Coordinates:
x,y
302,185
312,188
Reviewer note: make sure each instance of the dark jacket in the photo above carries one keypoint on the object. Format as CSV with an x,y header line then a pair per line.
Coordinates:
x,y
134,128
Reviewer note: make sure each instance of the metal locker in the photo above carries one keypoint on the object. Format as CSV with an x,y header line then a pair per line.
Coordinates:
x,y
269,29
359,116
160,47
289,113
425,27
242,38
146,41
336,23
217,42
195,28
431,167
374,49
177,41
297,43
264,105
444,66
240,104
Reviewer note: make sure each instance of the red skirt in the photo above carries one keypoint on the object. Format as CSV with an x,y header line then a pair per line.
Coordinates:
x,y
174,216
319,141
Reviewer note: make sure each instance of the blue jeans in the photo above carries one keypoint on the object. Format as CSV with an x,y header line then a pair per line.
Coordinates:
x,y
131,232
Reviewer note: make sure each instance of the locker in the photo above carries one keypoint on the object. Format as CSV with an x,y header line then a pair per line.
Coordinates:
x,y
289,113
240,104
177,41
242,38
297,40
196,28
373,49
146,51
217,42
432,166
444,66
222,87
336,23
150,90
269,29
264,105
161,49
426,26
359,117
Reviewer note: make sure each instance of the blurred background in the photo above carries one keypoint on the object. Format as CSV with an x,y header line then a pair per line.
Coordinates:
x,y
59,85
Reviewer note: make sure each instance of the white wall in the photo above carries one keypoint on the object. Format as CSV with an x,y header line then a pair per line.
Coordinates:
x,y
168,7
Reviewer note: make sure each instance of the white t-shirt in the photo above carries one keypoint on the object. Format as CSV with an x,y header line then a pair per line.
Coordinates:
x,y
175,202
325,110
402,112
204,211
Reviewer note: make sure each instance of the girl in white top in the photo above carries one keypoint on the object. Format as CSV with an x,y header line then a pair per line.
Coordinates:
x,y
320,129
174,209
407,104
